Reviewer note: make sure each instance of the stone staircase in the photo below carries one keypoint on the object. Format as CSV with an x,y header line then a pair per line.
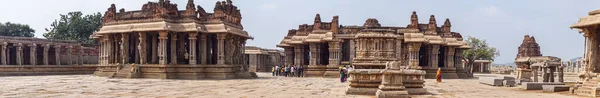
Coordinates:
x,y
124,72
588,88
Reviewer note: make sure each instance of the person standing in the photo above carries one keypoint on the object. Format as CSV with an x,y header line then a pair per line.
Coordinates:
x,y
300,71
273,71
342,74
438,76
292,70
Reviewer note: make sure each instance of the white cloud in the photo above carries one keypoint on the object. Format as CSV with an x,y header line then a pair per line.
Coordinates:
x,y
493,11
267,7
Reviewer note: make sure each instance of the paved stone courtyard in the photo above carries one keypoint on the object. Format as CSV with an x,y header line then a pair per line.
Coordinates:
x,y
73,86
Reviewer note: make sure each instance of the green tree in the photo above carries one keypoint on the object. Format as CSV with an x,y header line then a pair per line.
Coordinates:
x,y
15,29
480,51
75,26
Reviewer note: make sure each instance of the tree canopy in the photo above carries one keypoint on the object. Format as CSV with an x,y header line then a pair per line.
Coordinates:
x,y
480,51
15,29
75,26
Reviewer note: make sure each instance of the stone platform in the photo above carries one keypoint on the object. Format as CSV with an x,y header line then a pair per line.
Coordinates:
x,y
25,70
321,71
175,72
364,81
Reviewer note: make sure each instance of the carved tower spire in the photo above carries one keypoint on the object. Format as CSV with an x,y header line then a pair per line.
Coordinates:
x,y
317,24
432,23
414,21
446,26
190,9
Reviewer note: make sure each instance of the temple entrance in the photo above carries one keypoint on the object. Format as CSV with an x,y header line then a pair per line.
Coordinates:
x,y
324,53
306,55
25,57
441,57
12,54
345,50
423,56
39,51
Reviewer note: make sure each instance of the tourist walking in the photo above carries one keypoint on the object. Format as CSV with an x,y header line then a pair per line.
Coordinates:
x,y
438,75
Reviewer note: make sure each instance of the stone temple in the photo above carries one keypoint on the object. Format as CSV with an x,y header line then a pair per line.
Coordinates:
x,y
323,46
588,26
160,41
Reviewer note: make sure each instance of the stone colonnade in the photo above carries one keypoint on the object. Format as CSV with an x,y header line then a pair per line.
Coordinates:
x,y
172,48
572,66
264,61
32,53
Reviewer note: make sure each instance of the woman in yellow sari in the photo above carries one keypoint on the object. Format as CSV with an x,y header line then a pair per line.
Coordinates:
x,y
438,75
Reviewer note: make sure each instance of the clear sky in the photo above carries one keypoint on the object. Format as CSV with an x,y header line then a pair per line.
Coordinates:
x,y
503,23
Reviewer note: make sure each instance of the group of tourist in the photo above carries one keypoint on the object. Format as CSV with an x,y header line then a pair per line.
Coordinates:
x,y
288,71
344,72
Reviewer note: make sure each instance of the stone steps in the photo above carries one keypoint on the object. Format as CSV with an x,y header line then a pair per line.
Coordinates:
x,y
124,72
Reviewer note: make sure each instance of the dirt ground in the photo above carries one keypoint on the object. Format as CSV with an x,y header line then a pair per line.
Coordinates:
x,y
70,86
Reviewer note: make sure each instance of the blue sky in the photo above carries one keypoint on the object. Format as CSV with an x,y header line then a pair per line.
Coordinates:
x,y
503,23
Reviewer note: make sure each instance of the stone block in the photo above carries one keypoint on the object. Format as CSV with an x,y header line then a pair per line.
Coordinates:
x,y
508,83
555,88
493,81
392,94
522,81
361,91
506,78
417,91
537,85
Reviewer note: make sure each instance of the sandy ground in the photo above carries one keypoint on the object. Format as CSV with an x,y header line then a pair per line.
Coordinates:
x,y
70,86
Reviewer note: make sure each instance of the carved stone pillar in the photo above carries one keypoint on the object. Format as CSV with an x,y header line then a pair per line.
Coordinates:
x,y
433,57
32,54
413,60
80,56
398,50
124,48
313,53
173,48
458,55
449,57
192,37
142,48
289,53
203,53
334,53
221,48
162,48
352,50
19,59
155,47
299,59
70,54
4,57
